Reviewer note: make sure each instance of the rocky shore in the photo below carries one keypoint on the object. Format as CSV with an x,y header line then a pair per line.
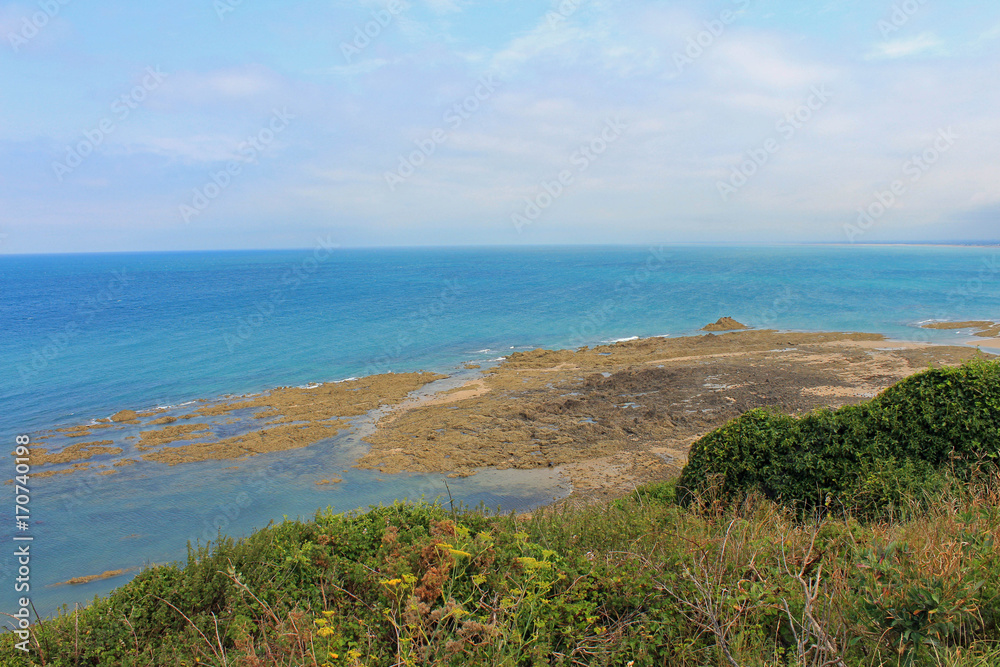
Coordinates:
x,y
618,415
607,417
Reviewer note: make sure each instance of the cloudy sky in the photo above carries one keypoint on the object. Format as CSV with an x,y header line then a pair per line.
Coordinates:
x,y
203,124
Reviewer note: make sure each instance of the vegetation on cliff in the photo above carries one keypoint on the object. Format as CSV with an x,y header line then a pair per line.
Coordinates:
x,y
866,459
740,565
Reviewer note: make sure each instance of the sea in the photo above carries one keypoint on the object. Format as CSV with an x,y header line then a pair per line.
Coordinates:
x,y
86,335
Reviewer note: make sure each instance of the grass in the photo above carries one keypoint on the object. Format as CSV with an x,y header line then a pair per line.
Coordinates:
x,y
641,581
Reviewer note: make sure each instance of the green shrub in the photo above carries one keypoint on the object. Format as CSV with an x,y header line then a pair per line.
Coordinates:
x,y
866,458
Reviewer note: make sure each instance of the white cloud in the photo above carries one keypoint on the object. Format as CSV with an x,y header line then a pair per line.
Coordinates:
x,y
359,68
196,148
990,35
925,42
559,83
237,84
21,31
563,43
763,61
601,41
756,102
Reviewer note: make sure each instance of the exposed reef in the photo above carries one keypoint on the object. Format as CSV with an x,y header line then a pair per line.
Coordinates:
x,y
724,324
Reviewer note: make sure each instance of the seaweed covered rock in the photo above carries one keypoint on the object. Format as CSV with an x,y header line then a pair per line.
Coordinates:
x,y
725,324
863,458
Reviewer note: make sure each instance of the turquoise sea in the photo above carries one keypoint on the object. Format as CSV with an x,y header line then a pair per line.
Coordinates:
x,y
84,336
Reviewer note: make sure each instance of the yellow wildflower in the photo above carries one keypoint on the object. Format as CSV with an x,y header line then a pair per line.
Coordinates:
x,y
328,614
391,582
320,621
459,552
533,564
325,632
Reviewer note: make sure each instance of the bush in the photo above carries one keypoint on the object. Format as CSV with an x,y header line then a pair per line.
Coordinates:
x,y
866,458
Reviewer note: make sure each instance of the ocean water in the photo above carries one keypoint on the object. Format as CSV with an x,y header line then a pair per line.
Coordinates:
x,y
84,336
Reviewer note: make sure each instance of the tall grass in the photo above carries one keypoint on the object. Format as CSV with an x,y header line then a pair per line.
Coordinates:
x,y
640,581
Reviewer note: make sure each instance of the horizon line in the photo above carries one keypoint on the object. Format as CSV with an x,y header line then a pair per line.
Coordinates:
x,y
948,244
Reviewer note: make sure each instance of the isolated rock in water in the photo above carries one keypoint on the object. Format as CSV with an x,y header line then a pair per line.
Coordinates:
x,y
124,416
724,324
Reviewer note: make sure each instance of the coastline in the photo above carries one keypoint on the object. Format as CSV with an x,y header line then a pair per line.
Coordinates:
x,y
606,417
614,416
231,428
597,420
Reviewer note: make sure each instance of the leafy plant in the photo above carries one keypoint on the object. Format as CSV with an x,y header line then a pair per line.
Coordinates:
x,y
871,459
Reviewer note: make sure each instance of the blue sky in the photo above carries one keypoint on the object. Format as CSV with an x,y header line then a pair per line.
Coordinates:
x,y
204,124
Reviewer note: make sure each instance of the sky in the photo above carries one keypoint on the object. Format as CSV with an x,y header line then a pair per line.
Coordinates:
x,y
232,124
